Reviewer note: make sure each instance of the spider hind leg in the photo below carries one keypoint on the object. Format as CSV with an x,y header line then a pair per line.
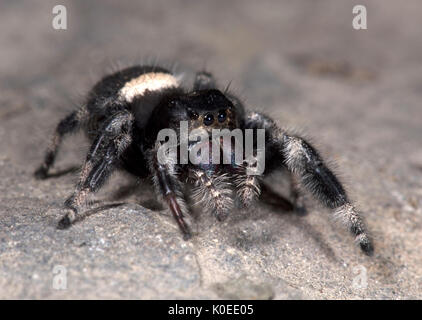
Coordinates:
x,y
70,124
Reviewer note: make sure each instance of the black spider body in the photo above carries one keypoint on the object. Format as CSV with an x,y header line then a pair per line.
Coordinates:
x,y
125,112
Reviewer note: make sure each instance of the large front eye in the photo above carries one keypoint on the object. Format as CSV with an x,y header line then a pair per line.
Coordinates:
x,y
222,116
208,119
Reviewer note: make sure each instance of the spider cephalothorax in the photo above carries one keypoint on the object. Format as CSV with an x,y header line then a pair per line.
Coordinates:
x,y
125,112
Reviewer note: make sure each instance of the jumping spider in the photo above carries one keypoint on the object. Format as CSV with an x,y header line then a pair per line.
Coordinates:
x,y
123,114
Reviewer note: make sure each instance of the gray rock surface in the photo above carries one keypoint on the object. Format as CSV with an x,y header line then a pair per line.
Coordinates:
x,y
357,94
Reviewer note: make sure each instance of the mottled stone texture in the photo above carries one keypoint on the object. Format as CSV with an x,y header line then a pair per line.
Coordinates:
x,y
357,94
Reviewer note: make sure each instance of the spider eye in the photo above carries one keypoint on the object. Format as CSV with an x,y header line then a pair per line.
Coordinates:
x,y
193,114
222,116
208,119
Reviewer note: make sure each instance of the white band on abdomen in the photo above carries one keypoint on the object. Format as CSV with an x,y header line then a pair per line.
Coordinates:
x,y
151,81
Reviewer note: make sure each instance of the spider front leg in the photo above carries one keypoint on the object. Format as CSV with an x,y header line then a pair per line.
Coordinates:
x,y
303,160
248,187
213,191
103,156
168,186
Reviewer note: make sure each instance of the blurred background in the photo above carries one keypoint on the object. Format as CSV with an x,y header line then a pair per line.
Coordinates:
x,y
355,93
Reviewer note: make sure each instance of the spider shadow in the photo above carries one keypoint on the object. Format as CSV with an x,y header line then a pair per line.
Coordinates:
x,y
125,191
274,200
268,198
96,210
122,193
135,187
60,173
280,205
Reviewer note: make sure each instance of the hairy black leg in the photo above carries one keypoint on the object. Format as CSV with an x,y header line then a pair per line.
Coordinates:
x,y
303,160
104,154
169,188
248,187
71,123
204,80
213,191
